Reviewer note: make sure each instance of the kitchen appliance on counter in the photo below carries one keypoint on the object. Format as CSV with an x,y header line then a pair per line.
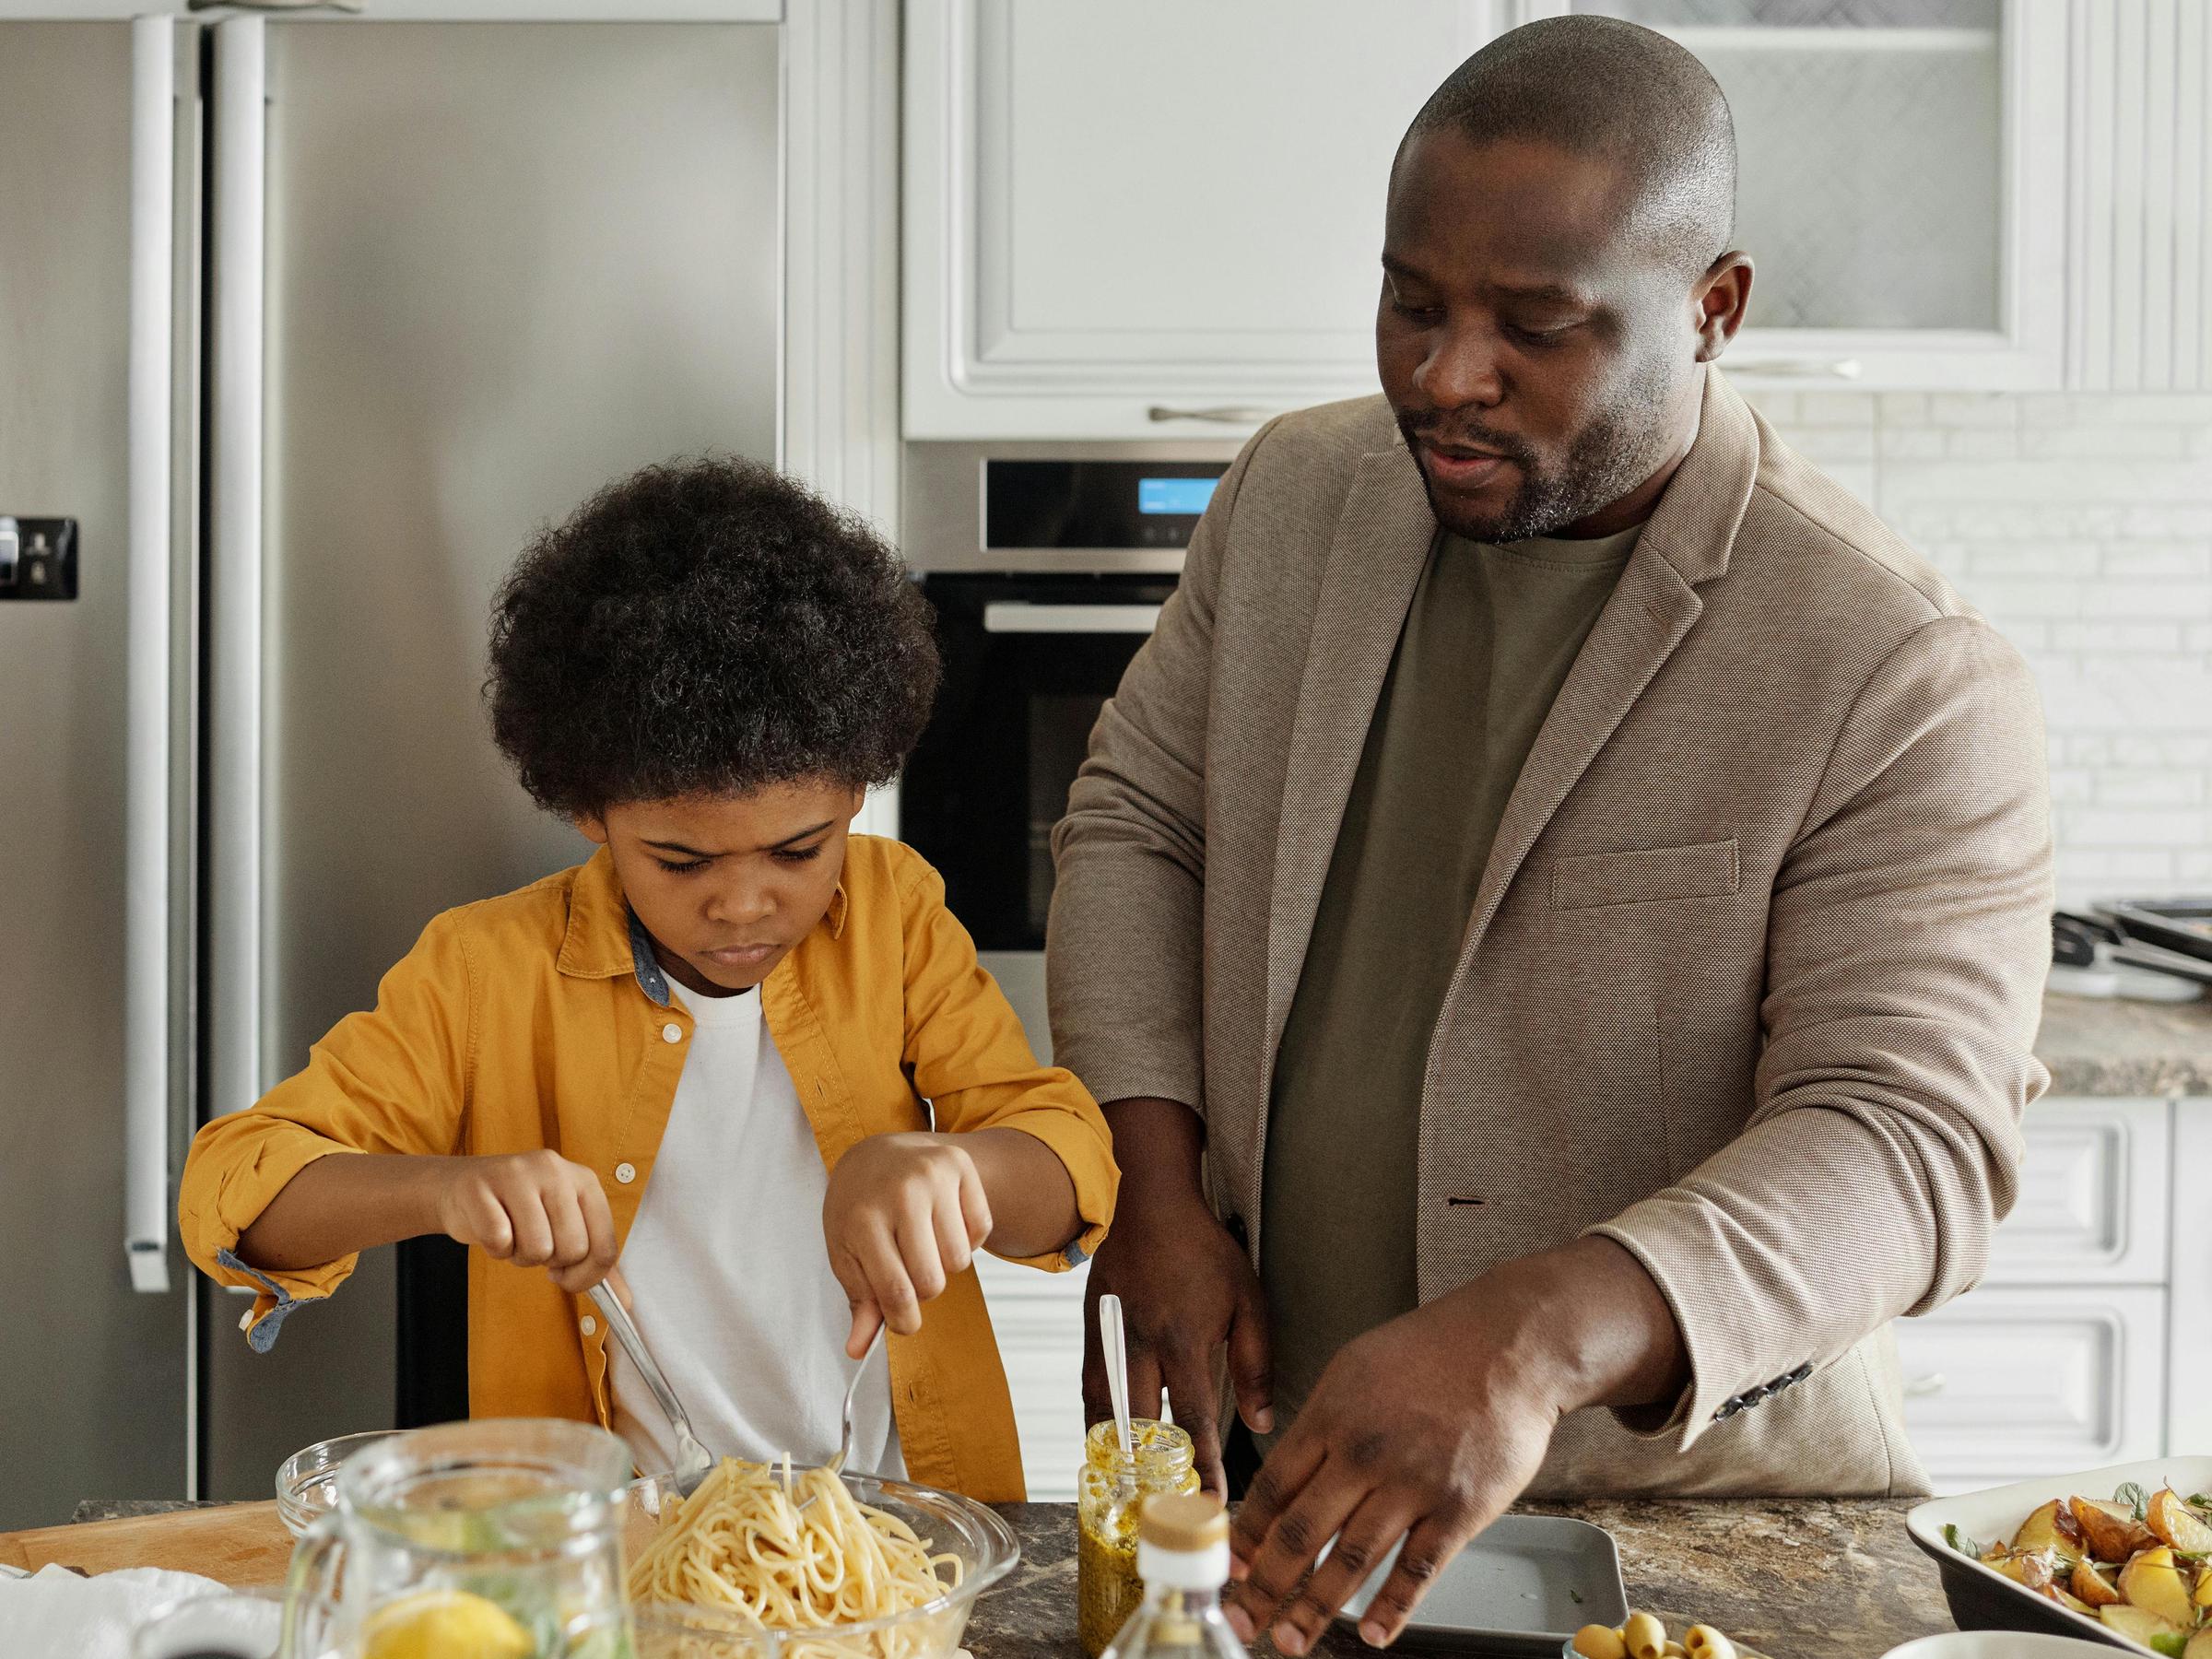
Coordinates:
x,y
1048,564
311,324
2144,949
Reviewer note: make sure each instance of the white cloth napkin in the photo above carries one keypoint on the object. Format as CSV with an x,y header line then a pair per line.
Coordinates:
x,y
54,1614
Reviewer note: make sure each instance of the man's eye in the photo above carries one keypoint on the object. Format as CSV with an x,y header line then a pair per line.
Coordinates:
x,y
684,869
1540,336
799,855
1417,314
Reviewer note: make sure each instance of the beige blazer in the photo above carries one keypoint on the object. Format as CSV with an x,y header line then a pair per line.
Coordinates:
x,y
1753,970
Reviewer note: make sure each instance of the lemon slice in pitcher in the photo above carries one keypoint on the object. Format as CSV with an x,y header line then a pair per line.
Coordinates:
x,y
444,1624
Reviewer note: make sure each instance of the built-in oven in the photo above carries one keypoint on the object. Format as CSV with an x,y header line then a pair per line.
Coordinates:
x,y
1047,565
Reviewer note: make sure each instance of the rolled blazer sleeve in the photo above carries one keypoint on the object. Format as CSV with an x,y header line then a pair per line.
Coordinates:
x,y
1908,946
966,1054
392,1080
1123,943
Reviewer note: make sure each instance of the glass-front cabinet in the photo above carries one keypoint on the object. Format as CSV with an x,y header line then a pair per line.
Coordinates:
x,y
1155,219
1901,183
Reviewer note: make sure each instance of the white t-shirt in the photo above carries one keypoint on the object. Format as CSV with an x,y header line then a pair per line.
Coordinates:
x,y
729,1278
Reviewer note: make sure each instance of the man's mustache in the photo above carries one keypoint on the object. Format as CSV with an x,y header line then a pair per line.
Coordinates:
x,y
1477,437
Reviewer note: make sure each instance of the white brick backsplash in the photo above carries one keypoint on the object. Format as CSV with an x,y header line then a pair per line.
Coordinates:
x,y
2117,443
1973,408
2159,558
2082,526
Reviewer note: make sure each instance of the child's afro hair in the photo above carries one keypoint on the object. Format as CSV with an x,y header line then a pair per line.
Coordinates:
x,y
706,626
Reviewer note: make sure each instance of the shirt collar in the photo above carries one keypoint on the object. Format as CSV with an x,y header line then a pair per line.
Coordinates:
x,y
604,937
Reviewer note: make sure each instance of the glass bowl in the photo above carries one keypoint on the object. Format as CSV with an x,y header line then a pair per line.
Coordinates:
x,y
307,1480
946,1523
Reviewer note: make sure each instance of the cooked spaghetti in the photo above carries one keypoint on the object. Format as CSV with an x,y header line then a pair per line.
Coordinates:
x,y
740,1541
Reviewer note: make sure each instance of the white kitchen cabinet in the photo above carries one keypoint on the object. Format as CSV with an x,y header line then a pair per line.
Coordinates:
x,y
1037,1318
1151,217
2012,1382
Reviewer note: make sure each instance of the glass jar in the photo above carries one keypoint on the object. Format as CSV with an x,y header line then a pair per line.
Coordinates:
x,y
507,1531
1111,1492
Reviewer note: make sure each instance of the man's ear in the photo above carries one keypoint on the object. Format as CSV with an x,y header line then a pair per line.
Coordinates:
x,y
592,826
1719,303
860,799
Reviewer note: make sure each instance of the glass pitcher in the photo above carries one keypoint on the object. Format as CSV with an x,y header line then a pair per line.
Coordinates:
x,y
500,1538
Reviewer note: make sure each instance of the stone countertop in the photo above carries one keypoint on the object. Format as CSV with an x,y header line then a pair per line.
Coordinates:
x,y
2099,1045
1796,1578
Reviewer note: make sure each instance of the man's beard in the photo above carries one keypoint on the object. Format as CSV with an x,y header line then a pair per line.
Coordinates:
x,y
1621,447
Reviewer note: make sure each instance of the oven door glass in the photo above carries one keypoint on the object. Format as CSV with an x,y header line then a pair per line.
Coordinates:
x,y
1029,662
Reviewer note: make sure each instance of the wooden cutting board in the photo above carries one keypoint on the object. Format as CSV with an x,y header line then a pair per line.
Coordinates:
x,y
236,1543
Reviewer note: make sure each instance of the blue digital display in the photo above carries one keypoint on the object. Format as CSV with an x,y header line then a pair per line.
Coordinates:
x,y
1186,497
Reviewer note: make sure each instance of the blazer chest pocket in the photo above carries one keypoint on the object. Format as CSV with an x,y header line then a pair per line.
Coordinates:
x,y
1645,875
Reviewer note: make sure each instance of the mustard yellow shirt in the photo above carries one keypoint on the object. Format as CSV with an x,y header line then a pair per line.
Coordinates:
x,y
540,1019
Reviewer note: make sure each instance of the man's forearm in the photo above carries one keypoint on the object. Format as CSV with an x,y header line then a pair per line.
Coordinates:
x,y
1159,1145
342,1204
1588,1323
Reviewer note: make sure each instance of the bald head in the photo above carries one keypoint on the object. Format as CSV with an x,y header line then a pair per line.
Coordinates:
x,y
1617,92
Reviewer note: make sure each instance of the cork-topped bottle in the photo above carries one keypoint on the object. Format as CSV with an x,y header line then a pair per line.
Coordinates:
x,y
1183,1557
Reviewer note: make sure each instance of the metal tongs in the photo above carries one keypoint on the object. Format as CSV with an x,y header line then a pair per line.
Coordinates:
x,y
693,1461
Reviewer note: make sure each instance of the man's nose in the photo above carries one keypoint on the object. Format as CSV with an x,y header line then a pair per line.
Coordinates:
x,y
1461,370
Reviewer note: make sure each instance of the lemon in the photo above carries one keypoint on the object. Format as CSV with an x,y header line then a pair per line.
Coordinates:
x,y
444,1624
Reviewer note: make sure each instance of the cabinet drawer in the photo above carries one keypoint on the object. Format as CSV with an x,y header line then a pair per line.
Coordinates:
x,y
2010,1382
2093,1196
1038,1321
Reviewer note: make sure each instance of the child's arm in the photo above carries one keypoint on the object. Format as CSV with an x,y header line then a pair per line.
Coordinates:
x,y
532,1208
1022,1160
349,1152
905,1213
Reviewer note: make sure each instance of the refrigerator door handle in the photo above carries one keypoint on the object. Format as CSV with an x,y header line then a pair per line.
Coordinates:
x,y
146,802
234,570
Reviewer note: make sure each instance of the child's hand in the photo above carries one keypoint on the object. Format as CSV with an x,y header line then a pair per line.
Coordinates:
x,y
530,1208
904,1214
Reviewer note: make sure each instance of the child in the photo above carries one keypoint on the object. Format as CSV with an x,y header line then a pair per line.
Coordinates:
x,y
751,1059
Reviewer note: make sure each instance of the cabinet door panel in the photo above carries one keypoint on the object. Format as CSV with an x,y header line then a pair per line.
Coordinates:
x,y
2007,1384
2093,1196
1038,1321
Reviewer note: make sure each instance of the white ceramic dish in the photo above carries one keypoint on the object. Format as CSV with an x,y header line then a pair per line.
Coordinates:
x,y
1998,1644
1982,1598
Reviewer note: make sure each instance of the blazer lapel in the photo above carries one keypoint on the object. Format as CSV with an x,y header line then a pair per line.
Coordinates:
x,y
1685,542
1375,561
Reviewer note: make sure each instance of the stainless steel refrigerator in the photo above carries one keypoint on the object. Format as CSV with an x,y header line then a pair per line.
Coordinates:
x,y
305,325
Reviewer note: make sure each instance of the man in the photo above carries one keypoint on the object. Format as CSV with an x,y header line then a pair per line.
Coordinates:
x,y
1557,910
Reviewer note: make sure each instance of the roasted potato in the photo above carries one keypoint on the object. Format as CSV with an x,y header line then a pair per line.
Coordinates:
x,y
2114,1533
2052,1527
2137,1624
2153,1582
2091,1586
2173,1522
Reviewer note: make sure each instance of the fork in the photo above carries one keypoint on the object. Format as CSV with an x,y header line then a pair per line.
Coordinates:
x,y
836,1465
693,1461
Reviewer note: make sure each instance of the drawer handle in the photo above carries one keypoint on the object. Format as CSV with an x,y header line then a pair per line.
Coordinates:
x,y
1921,1386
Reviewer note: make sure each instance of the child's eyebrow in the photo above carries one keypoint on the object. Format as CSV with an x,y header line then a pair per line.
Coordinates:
x,y
682,851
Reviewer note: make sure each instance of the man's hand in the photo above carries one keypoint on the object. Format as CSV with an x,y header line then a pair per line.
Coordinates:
x,y
1186,1287
536,1209
904,1214
1425,1428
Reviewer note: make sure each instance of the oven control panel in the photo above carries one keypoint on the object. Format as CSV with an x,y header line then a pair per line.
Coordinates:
x,y
1095,504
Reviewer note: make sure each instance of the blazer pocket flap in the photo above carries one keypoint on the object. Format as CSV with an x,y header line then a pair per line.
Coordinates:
x,y
1640,876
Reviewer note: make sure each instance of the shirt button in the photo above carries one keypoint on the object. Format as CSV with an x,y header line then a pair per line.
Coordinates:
x,y
626,1173
671,1032
588,1325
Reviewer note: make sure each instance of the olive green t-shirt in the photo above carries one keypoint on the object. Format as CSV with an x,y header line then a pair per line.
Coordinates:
x,y
1487,643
